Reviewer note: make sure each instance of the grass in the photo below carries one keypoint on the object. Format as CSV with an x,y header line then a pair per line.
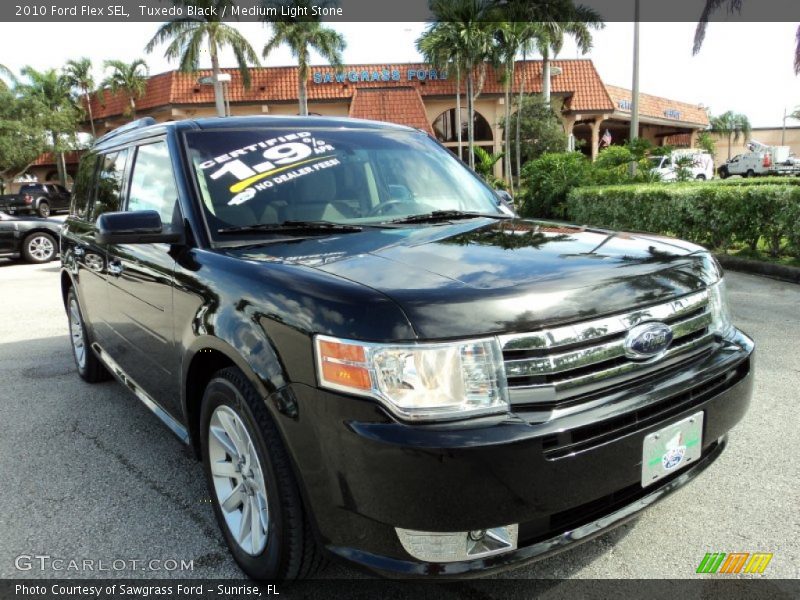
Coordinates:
x,y
763,256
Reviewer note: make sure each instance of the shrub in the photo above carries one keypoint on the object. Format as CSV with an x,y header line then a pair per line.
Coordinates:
x,y
716,215
548,179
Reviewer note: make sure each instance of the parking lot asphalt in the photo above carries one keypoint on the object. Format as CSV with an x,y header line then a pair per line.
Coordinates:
x,y
88,472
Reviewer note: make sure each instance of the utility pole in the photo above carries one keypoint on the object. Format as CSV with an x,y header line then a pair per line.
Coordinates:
x,y
783,131
634,131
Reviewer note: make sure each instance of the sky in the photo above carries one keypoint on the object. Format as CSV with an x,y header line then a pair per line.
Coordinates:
x,y
744,67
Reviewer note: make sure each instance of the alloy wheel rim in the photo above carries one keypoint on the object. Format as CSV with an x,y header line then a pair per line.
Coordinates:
x,y
238,480
76,333
41,248
45,210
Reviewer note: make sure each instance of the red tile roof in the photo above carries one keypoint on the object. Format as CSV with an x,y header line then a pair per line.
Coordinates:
x,y
402,105
658,107
578,80
47,159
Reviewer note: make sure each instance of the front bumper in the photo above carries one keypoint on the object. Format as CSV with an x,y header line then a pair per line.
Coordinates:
x,y
564,481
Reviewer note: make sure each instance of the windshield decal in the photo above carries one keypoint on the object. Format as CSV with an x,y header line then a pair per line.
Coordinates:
x,y
285,157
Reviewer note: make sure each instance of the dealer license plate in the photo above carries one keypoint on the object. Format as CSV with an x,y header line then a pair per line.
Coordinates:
x,y
671,448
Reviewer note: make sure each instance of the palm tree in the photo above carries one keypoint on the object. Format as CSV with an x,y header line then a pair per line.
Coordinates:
x,y
127,78
550,23
472,20
512,37
8,74
79,75
187,37
52,90
732,125
301,37
439,47
712,6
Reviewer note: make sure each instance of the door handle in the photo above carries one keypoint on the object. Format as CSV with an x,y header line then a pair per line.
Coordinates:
x,y
78,251
115,268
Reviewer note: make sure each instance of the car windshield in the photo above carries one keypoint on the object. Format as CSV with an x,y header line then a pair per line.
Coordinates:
x,y
251,179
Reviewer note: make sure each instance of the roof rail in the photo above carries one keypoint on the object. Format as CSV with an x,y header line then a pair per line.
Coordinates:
x,y
137,124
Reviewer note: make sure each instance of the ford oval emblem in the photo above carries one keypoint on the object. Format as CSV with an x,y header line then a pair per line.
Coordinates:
x,y
648,340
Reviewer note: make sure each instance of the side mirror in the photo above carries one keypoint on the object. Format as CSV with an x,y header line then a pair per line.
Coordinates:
x,y
134,227
504,200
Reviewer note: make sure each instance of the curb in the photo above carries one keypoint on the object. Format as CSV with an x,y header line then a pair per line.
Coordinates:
x,y
757,267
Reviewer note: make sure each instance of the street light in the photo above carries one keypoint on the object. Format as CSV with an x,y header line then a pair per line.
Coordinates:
x,y
634,131
221,79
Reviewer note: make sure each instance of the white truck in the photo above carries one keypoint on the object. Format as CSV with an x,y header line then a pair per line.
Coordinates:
x,y
701,166
761,159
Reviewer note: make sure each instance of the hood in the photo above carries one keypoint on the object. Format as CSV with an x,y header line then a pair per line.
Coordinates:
x,y
482,276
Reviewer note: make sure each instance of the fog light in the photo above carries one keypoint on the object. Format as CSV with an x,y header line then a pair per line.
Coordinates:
x,y
452,546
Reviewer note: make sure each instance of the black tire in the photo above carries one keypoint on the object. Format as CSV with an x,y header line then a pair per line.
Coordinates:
x,y
701,177
39,247
90,369
291,551
750,173
43,209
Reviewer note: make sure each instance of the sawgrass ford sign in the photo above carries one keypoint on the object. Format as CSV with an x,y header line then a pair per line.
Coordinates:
x,y
384,74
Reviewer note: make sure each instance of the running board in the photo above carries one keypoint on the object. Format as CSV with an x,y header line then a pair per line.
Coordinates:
x,y
168,420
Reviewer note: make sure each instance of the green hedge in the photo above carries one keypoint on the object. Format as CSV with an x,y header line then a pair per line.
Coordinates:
x,y
750,181
718,215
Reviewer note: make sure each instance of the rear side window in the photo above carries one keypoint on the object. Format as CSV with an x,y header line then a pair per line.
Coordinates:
x,y
84,186
110,177
152,182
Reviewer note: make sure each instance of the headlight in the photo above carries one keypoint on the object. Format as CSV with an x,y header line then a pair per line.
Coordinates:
x,y
721,322
417,381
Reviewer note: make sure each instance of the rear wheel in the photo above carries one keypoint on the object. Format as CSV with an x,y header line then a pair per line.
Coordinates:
x,y
39,248
44,209
253,490
701,177
89,366
750,173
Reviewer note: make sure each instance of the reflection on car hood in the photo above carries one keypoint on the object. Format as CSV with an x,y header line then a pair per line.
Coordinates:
x,y
482,276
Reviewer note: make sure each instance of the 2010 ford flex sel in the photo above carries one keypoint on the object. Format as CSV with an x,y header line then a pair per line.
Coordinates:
x,y
375,360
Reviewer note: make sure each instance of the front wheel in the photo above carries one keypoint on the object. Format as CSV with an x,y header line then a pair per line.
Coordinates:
x,y
44,209
750,173
701,177
255,496
39,248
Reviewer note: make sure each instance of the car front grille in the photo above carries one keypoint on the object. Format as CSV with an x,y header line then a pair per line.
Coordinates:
x,y
565,365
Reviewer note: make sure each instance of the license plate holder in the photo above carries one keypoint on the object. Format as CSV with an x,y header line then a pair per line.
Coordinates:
x,y
672,448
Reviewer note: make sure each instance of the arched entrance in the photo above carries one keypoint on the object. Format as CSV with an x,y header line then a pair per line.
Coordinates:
x,y
445,128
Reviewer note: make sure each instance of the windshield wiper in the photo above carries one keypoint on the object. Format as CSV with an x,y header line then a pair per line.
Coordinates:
x,y
292,227
447,215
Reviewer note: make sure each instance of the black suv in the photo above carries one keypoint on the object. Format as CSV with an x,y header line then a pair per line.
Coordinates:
x,y
375,361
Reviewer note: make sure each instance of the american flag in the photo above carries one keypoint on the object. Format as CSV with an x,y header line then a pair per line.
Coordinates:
x,y
606,139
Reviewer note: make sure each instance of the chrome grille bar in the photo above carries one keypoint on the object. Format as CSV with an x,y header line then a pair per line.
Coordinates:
x,y
591,330
560,363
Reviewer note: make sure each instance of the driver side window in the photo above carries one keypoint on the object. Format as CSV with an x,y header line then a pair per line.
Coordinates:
x,y
153,182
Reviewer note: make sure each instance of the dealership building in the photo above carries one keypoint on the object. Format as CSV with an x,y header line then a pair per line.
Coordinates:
x,y
417,95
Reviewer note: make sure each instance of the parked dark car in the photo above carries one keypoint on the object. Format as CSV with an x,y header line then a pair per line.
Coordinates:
x,y
32,238
375,362
42,199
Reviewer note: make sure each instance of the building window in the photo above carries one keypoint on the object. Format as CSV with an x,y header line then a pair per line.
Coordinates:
x,y
444,126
